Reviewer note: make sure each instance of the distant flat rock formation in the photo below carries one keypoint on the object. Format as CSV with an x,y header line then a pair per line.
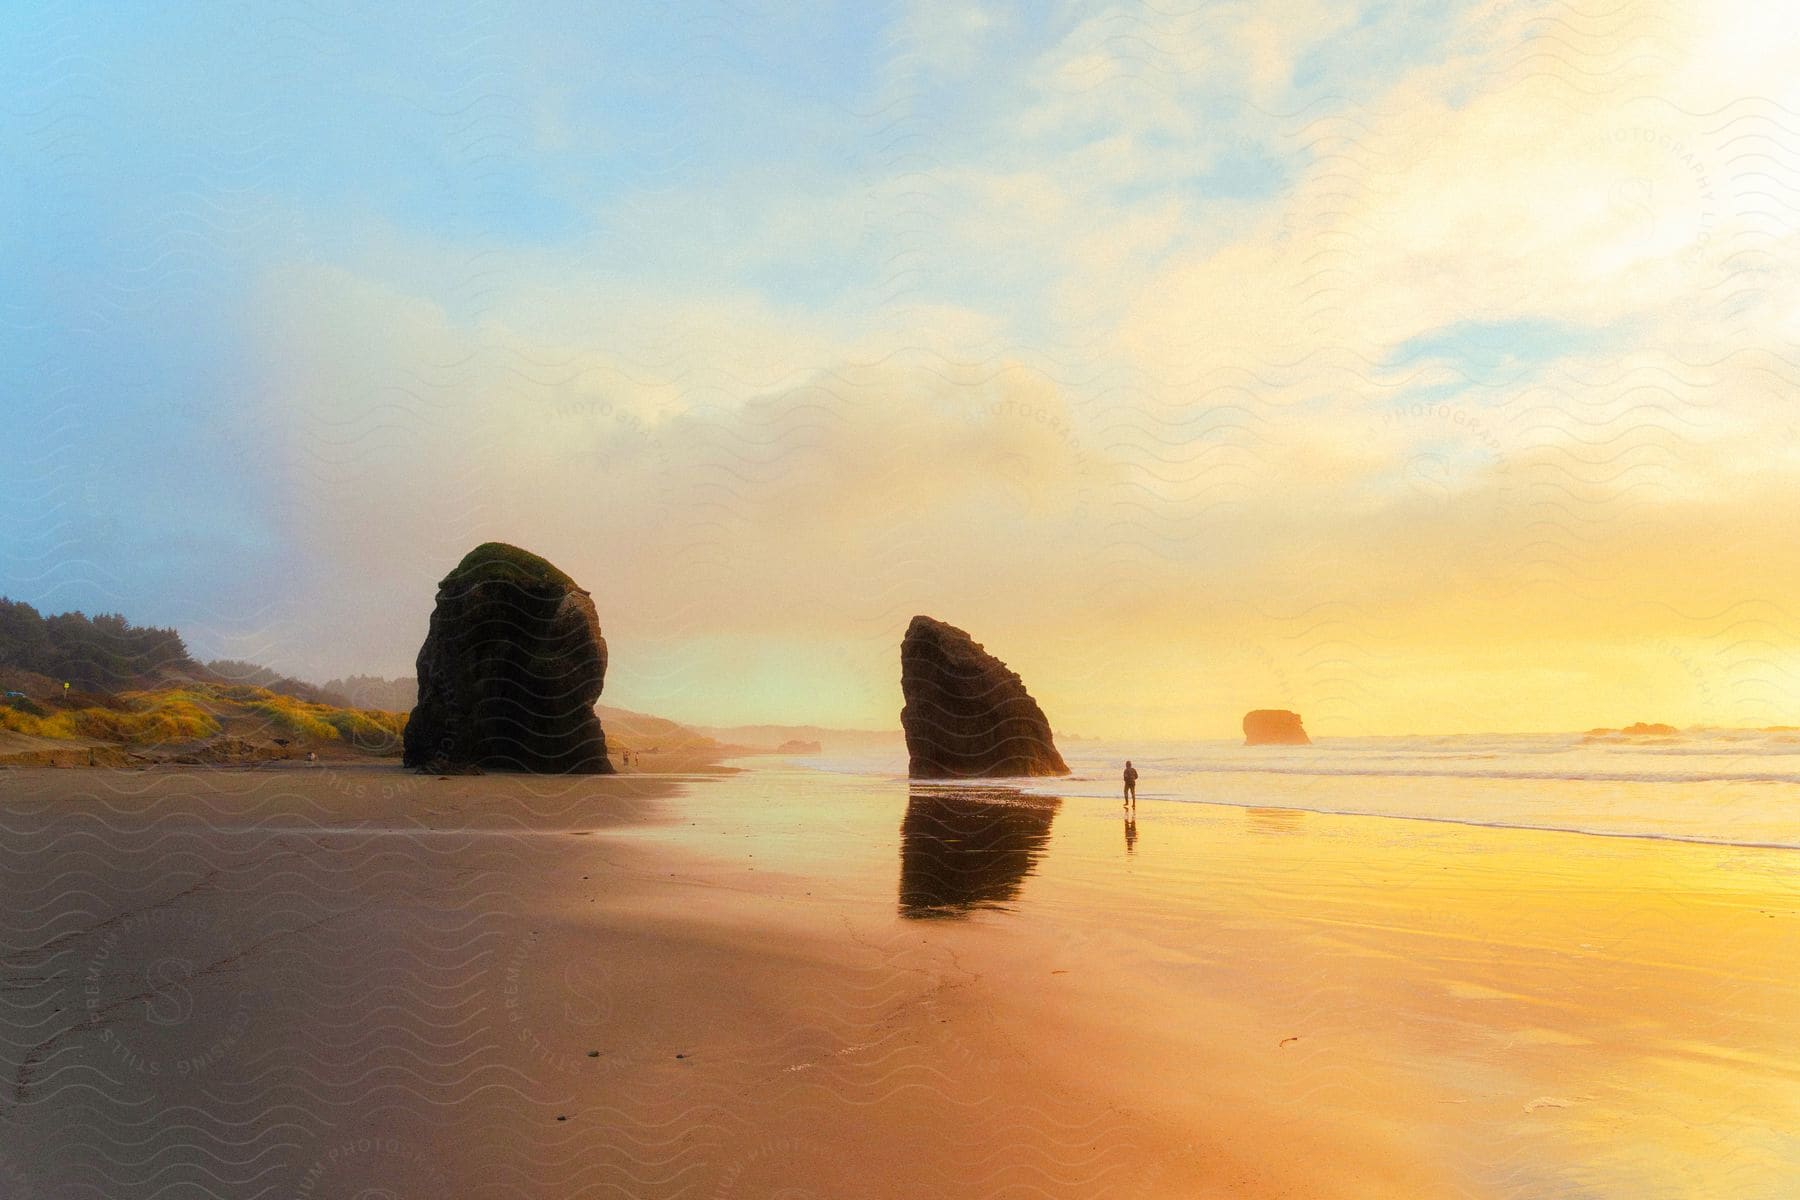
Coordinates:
x,y
799,746
966,715
1641,729
509,671
1274,727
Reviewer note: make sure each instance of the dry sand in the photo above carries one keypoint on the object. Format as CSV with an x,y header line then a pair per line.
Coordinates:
x,y
357,982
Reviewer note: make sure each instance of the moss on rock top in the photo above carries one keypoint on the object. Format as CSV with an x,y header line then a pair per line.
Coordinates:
x,y
498,560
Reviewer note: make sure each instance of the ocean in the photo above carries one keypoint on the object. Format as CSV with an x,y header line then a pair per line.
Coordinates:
x,y
1730,787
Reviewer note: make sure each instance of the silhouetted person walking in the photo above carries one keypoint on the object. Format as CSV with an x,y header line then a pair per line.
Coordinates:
x,y
1130,783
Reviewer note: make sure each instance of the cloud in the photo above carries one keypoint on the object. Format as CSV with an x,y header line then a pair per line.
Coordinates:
x,y
1421,391
694,502
1198,357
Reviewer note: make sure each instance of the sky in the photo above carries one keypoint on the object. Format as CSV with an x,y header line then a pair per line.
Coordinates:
x,y
1422,368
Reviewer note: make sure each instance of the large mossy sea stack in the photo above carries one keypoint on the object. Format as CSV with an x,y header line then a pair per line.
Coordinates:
x,y
510,670
966,715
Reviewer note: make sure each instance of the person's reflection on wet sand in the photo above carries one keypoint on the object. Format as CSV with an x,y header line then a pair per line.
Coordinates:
x,y
1130,834
968,848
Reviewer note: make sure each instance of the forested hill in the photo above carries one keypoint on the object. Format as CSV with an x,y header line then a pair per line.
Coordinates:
x,y
102,653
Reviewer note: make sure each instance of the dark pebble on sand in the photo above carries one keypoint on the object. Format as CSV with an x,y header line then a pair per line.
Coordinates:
x,y
681,1056
593,1054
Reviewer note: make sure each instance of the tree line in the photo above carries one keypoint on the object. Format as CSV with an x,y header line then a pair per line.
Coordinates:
x,y
101,653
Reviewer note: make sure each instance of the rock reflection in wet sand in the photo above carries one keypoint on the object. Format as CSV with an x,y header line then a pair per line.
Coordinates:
x,y
967,848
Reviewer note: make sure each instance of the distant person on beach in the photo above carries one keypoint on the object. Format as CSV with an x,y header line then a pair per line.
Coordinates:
x,y
1130,783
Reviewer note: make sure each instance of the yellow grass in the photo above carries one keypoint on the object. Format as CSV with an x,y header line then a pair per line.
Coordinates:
x,y
196,711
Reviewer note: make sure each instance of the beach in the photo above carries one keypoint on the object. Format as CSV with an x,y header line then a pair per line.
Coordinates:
x,y
350,980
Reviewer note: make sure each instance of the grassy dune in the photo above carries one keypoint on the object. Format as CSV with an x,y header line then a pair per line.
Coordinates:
x,y
190,713
227,723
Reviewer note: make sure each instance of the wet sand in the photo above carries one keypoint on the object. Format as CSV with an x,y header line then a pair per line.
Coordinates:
x,y
321,982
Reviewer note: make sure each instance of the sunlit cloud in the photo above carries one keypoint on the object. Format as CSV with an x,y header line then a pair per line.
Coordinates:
x,y
1417,373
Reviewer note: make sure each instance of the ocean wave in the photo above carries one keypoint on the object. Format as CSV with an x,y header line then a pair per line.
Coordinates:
x,y
1428,772
1522,823
1727,788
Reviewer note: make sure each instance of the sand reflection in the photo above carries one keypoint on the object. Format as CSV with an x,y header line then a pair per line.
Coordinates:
x,y
1275,820
967,848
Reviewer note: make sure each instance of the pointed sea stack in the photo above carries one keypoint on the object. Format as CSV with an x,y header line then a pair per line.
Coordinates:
x,y
1274,727
966,714
509,671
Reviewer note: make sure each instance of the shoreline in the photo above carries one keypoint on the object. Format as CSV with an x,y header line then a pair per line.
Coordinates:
x,y
1472,823
1044,788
